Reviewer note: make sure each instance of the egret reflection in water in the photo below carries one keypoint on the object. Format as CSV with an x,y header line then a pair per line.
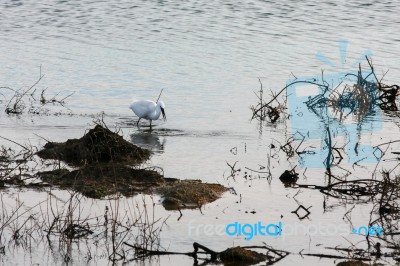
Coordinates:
x,y
149,141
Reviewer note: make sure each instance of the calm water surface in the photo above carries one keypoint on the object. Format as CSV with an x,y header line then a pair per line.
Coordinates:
x,y
207,56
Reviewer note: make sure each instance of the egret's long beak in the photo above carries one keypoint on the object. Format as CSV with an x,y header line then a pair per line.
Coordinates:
x,y
163,114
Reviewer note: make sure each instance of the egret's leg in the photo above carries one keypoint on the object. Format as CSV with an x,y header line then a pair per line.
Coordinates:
x,y
150,124
137,124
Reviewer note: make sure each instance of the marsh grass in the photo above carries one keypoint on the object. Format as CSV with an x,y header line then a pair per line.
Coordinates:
x,y
65,226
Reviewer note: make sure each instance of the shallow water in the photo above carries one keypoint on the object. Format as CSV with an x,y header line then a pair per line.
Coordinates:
x,y
207,57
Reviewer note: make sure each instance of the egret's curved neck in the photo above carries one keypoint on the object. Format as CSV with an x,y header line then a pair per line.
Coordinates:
x,y
157,112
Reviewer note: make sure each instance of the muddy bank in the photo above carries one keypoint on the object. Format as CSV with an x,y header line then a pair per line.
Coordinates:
x,y
189,193
105,164
103,180
97,181
242,256
99,145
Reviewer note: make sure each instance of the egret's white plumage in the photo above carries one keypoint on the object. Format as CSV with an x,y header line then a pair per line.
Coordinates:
x,y
148,110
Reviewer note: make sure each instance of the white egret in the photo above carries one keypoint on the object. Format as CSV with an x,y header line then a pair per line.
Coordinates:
x,y
148,110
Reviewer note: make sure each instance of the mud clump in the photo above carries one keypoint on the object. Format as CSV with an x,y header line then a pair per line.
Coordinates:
x,y
289,177
189,193
97,181
104,167
241,256
98,145
104,159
